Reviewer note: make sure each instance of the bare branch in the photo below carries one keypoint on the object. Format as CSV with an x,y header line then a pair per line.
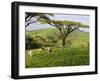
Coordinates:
x,y
30,23
28,19
74,28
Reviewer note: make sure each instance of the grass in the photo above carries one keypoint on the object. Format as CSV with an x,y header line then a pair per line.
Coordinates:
x,y
58,57
77,55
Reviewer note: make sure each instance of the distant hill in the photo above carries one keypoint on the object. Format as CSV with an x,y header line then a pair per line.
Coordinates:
x,y
77,37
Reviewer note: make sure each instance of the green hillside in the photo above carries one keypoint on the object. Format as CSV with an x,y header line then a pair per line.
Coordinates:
x,y
75,53
75,37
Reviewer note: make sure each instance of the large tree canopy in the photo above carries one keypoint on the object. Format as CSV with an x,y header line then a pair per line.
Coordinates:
x,y
64,27
65,22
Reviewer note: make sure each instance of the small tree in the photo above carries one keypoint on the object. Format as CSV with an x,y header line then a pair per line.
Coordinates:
x,y
65,28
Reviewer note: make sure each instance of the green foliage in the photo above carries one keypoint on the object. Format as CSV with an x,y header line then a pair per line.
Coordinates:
x,y
58,57
31,43
64,22
75,53
54,37
51,37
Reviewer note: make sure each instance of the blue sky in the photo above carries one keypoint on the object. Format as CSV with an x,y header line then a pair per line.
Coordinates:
x,y
79,18
84,19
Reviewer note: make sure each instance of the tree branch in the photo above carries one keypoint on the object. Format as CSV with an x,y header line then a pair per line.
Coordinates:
x,y
28,19
30,23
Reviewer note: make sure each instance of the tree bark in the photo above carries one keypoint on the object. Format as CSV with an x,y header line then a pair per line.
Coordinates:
x,y
63,42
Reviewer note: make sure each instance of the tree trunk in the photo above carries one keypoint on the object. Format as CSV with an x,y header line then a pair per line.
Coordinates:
x,y
63,42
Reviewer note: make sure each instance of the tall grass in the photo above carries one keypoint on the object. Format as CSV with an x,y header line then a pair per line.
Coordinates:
x,y
58,57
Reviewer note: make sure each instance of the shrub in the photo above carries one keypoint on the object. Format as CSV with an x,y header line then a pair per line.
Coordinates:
x,y
31,43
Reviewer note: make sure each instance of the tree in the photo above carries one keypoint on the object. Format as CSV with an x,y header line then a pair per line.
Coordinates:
x,y
35,17
64,27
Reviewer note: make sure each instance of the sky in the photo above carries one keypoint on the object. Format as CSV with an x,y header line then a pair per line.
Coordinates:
x,y
84,19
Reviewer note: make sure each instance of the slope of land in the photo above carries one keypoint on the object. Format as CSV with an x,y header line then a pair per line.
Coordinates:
x,y
75,53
